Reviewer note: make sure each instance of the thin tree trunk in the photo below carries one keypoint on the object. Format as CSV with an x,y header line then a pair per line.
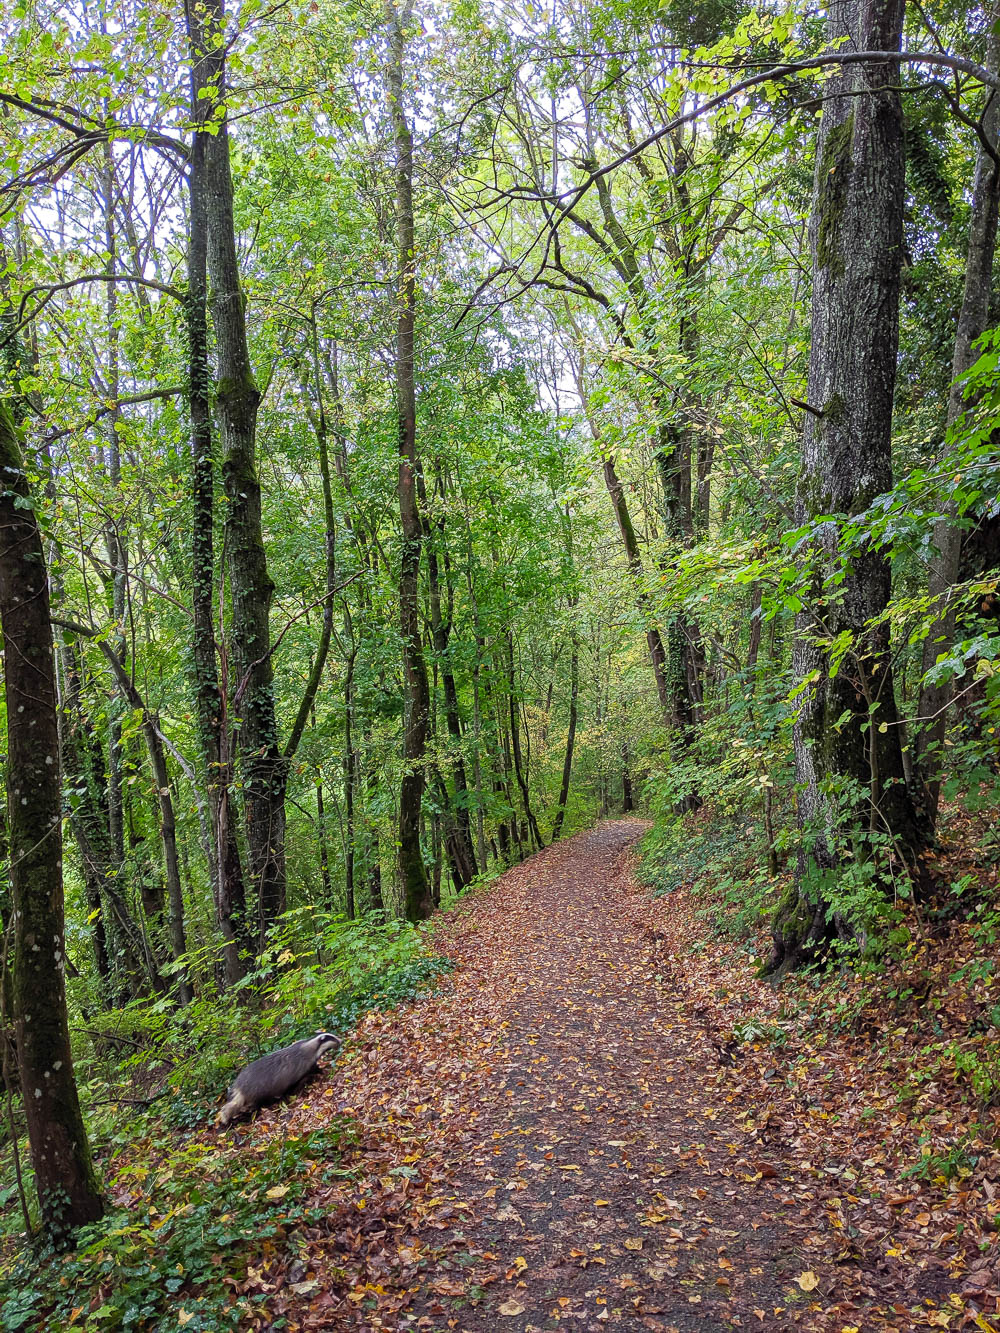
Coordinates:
x,y
515,744
633,556
161,779
68,1195
461,855
418,900
756,625
628,796
574,693
973,320
115,543
82,757
350,780
477,717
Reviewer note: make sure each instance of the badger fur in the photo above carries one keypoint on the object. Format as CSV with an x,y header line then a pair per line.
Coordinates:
x,y
273,1075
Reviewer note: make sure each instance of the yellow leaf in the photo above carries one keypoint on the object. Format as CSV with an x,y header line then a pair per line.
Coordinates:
x,y
511,1307
808,1281
520,1263
633,1243
601,1203
183,1317
277,1192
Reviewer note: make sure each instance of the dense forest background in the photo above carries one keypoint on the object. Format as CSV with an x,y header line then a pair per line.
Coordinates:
x,y
429,430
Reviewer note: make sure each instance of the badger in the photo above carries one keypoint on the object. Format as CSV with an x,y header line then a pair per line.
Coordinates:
x,y
273,1075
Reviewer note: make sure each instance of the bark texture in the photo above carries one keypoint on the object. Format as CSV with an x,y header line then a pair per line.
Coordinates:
x,y
846,732
264,767
68,1195
210,701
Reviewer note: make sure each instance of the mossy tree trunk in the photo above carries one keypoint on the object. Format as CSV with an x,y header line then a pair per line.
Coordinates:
x,y
68,1195
264,766
211,704
418,901
846,734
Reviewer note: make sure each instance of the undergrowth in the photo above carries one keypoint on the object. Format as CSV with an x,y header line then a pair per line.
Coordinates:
x,y
911,1020
721,858
189,1212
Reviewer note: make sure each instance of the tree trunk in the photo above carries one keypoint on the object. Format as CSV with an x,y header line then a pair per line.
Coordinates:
x,y
846,728
418,900
673,462
657,654
574,694
628,796
461,854
161,781
973,320
117,554
64,1177
756,625
210,702
264,767
373,850
515,745
350,783
82,757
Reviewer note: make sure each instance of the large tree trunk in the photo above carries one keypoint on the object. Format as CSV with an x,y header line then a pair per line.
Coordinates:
x,y
210,703
846,730
64,1177
418,901
973,320
264,767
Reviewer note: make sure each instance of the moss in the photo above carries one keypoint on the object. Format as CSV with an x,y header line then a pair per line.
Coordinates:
x,y
792,916
834,174
834,410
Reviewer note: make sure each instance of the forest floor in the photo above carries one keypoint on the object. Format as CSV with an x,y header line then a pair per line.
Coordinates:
x,y
565,1134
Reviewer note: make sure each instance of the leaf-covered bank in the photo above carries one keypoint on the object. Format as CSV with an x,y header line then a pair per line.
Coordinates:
x,y
194,1211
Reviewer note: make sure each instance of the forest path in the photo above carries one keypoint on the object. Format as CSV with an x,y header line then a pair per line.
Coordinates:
x,y
539,1146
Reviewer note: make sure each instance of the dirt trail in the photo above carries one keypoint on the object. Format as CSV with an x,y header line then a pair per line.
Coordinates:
x,y
542,1147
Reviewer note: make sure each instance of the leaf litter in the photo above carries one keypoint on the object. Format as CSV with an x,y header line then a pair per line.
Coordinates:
x,y
568,1134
